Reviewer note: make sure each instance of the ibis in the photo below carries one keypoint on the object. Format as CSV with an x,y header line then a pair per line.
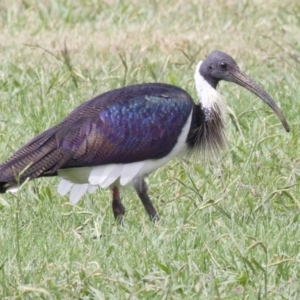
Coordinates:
x,y
119,137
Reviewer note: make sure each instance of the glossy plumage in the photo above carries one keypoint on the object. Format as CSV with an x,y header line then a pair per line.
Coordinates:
x,y
120,126
119,137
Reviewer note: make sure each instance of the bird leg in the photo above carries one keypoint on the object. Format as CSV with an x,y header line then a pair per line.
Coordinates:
x,y
141,189
117,206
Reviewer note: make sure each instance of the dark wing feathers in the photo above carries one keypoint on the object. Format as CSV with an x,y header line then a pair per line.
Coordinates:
x,y
125,125
34,159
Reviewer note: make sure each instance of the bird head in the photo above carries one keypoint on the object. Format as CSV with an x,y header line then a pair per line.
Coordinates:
x,y
221,66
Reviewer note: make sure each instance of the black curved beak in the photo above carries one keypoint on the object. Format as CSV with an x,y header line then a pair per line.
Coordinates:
x,y
246,82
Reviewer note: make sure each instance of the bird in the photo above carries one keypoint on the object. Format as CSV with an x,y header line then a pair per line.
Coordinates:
x,y
121,136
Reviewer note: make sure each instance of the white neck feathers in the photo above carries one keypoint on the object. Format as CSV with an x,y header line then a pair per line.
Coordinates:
x,y
210,135
210,99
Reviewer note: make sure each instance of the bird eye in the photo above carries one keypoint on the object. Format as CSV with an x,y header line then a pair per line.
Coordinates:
x,y
223,65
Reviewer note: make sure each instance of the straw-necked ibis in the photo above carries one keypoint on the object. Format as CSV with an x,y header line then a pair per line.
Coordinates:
x,y
119,137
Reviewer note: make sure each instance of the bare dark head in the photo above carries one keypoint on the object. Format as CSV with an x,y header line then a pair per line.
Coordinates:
x,y
217,66
221,66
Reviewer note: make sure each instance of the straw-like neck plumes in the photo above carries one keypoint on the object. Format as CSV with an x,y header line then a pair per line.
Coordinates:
x,y
209,117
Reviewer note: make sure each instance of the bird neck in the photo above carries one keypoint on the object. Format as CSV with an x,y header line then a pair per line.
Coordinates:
x,y
208,120
210,99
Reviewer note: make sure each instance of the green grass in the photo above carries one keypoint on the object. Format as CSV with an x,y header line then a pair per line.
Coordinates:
x,y
229,229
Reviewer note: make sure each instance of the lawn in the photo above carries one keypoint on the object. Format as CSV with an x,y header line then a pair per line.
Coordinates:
x,y
229,226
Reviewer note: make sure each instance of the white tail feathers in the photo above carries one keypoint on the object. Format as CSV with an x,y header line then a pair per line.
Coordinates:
x,y
87,179
129,173
64,186
77,192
